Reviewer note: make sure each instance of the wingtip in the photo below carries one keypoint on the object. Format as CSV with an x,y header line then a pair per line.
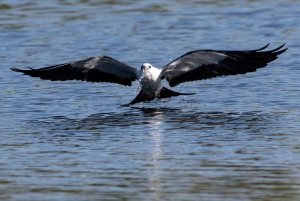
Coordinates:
x,y
16,69
277,50
280,51
262,48
28,70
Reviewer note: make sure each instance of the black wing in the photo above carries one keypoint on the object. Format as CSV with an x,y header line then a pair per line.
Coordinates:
x,y
204,64
93,69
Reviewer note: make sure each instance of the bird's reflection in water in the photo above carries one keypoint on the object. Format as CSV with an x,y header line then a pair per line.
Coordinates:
x,y
155,130
156,124
144,116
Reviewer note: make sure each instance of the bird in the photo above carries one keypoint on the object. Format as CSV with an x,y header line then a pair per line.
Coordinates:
x,y
191,66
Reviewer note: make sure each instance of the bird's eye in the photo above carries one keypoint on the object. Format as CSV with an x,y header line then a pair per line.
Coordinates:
x,y
149,66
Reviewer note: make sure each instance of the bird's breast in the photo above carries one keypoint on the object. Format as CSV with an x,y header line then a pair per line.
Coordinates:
x,y
149,85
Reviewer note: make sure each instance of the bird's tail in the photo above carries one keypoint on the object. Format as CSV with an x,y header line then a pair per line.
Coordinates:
x,y
167,93
141,97
162,93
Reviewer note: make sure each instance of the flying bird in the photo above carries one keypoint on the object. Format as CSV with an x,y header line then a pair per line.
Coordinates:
x,y
194,65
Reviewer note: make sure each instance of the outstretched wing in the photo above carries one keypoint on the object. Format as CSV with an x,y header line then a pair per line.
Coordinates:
x,y
205,64
93,69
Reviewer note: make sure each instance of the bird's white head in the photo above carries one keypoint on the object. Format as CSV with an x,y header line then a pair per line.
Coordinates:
x,y
150,71
146,66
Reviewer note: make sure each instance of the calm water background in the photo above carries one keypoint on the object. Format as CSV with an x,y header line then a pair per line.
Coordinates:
x,y
238,138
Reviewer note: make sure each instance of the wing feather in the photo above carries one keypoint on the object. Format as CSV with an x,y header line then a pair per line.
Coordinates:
x,y
93,69
205,64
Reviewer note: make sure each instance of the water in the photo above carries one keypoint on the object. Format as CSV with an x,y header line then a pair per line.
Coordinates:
x,y
236,139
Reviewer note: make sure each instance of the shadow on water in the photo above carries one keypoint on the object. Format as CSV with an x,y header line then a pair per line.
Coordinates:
x,y
177,118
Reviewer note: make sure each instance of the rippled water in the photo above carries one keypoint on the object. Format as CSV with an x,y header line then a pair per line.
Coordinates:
x,y
238,138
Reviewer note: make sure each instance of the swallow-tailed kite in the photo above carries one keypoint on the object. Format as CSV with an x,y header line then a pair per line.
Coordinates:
x,y
194,65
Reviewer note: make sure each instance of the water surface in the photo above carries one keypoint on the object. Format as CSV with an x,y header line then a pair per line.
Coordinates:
x,y
236,139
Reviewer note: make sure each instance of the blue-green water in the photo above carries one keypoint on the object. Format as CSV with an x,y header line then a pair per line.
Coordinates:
x,y
238,138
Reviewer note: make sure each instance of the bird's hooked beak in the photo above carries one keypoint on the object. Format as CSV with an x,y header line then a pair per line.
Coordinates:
x,y
143,67
146,68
